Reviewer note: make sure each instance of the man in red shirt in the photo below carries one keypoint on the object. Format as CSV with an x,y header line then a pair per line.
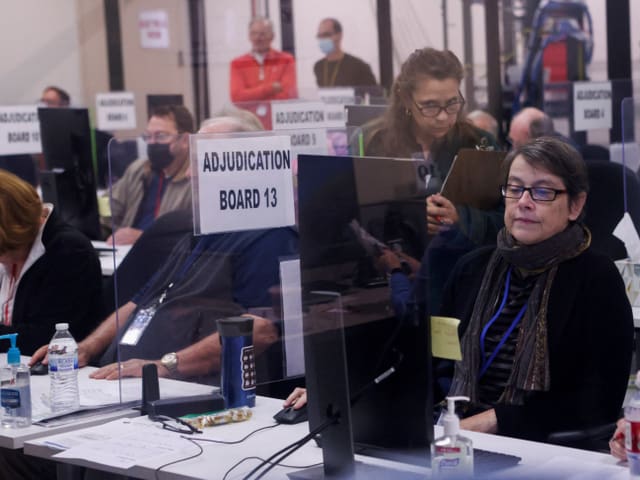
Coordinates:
x,y
263,73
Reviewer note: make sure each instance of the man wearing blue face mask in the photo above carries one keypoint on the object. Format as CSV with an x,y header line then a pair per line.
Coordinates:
x,y
157,184
337,68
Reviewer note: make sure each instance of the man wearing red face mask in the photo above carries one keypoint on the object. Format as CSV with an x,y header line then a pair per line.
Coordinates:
x,y
157,184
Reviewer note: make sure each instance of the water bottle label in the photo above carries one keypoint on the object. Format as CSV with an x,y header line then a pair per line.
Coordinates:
x,y
10,398
63,364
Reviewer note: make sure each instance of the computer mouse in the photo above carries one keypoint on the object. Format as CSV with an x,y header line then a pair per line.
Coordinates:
x,y
39,369
290,415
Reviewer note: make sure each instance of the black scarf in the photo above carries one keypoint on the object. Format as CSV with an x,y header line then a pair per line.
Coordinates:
x,y
531,361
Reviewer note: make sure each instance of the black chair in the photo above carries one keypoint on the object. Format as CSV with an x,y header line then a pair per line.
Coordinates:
x,y
605,205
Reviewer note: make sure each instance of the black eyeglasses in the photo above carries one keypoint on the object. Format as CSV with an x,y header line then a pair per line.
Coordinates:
x,y
431,110
175,424
539,194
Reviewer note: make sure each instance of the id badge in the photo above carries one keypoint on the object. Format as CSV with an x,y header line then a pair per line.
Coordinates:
x,y
138,326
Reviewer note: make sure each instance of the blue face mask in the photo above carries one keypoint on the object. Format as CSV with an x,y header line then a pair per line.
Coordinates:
x,y
326,45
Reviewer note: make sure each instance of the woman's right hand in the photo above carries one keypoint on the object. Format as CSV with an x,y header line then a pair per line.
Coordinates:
x,y
297,398
616,444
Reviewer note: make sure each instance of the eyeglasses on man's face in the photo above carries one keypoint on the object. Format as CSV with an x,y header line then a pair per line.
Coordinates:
x,y
538,194
432,109
159,137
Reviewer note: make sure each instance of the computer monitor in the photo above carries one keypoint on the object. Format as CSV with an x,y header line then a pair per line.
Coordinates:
x,y
353,335
69,181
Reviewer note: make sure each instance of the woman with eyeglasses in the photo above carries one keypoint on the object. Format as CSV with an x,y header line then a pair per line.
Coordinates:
x,y
49,272
425,120
547,329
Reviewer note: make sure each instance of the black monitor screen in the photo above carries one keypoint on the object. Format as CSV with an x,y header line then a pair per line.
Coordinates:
x,y
351,209
69,181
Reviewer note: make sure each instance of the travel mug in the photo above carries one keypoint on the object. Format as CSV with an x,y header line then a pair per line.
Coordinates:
x,y
238,372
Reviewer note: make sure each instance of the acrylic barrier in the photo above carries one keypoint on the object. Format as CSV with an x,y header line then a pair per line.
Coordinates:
x,y
202,245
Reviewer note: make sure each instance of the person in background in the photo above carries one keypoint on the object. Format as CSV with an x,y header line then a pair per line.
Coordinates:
x,y
484,121
537,356
337,68
202,279
49,272
55,97
528,124
157,184
263,73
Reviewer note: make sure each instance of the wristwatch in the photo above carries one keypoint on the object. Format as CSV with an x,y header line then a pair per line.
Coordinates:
x,y
170,361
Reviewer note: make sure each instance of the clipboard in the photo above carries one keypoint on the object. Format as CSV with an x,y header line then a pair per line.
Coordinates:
x,y
474,179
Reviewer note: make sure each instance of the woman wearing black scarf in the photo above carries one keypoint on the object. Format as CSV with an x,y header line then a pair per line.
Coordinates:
x,y
547,327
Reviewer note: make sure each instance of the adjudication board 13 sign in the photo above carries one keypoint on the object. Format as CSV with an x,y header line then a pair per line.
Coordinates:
x,y
243,183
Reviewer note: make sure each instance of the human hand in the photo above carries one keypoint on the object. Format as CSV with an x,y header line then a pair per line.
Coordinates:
x,y
441,214
297,398
130,368
124,236
616,444
40,355
276,87
388,260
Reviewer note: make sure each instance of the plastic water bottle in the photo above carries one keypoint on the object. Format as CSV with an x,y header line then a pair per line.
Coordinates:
x,y
632,431
63,370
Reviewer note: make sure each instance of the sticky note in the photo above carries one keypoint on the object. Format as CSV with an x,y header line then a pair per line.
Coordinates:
x,y
444,338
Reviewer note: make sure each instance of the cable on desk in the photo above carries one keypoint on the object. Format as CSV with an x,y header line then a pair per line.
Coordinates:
x,y
289,449
264,462
231,442
157,471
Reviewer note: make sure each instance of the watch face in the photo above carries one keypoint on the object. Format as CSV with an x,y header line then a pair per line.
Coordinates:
x,y
170,360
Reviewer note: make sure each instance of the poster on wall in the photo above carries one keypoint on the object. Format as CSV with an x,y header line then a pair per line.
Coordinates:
x,y
154,28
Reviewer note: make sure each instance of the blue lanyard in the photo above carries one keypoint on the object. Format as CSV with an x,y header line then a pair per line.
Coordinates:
x,y
483,334
195,253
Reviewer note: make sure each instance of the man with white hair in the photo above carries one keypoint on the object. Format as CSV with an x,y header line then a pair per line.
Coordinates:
x,y
264,73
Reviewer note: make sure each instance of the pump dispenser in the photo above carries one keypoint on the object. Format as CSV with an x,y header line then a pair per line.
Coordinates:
x,y
452,454
15,388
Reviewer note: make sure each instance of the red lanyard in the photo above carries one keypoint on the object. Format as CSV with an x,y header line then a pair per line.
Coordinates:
x,y
158,195
6,318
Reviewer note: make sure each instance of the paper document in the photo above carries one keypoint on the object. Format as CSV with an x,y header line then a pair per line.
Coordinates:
x,y
125,450
444,338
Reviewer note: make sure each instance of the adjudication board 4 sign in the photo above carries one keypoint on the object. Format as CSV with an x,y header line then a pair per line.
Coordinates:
x,y
242,183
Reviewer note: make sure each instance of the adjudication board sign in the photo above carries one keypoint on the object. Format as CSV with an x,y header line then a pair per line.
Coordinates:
x,y
19,130
592,105
243,183
116,111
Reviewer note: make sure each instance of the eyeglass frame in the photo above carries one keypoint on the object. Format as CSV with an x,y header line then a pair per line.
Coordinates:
x,y
154,136
460,101
556,192
165,419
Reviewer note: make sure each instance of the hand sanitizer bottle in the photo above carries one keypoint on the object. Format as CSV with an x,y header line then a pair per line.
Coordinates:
x,y
452,454
15,388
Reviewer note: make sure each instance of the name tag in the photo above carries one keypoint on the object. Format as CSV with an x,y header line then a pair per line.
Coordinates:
x,y
138,326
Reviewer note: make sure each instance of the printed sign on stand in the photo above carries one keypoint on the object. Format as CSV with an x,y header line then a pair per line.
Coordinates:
x,y
242,183
591,105
19,130
115,111
341,95
292,115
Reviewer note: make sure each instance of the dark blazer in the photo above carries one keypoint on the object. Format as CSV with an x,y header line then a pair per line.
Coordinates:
x,y
63,285
590,340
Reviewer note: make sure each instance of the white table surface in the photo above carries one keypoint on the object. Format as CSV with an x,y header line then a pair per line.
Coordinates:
x,y
14,438
538,460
